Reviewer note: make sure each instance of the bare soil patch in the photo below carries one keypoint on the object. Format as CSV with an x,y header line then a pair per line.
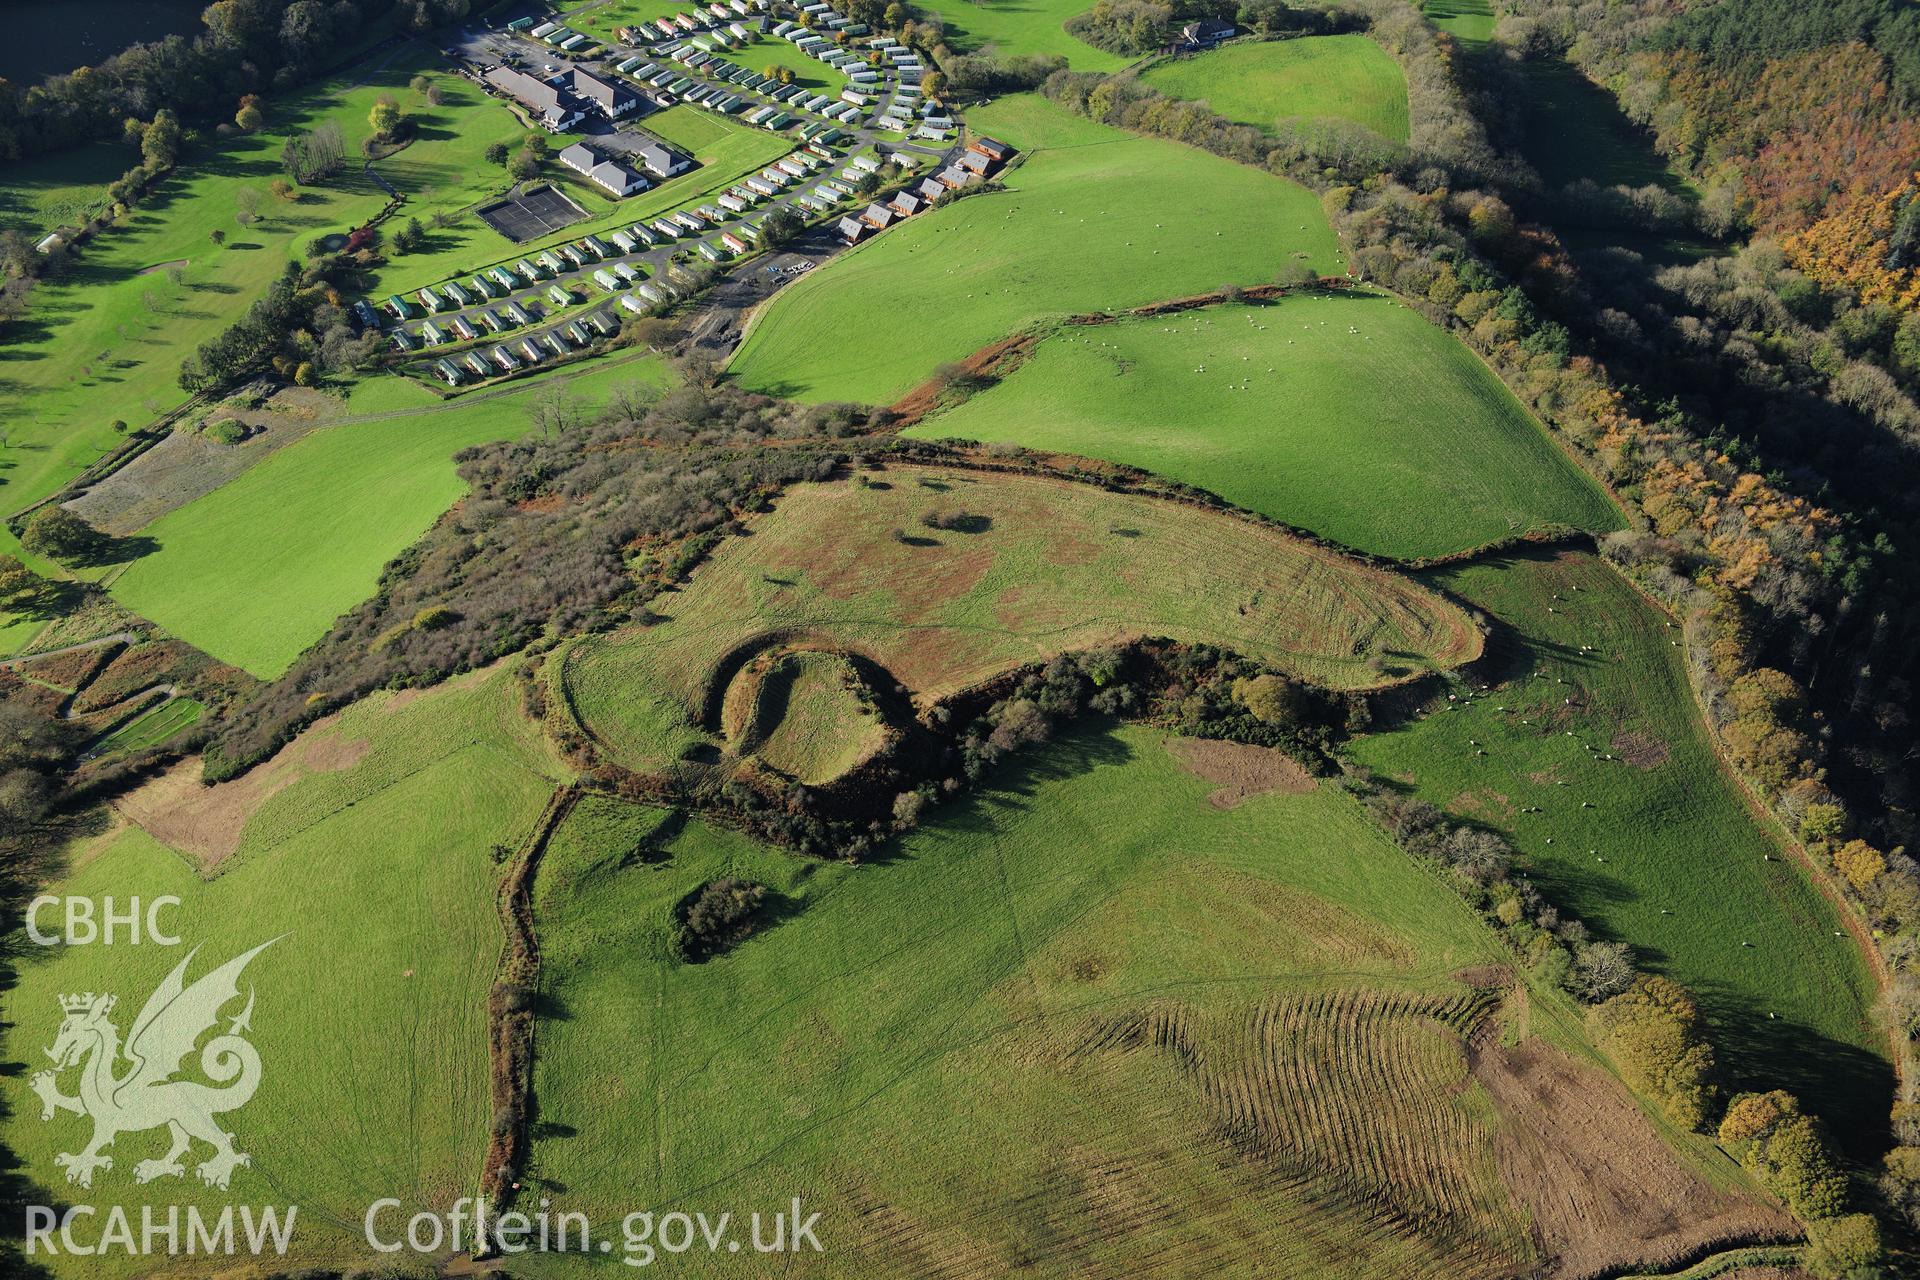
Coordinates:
x,y
1605,1191
176,809
994,361
162,266
186,465
1242,771
1489,806
1641,750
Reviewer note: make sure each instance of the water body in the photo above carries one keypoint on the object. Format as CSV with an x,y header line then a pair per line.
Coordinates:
x,y
49,37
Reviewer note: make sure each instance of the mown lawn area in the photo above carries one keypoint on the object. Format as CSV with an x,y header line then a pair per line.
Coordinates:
x,y
1094,219
1009,28
1349,415
257,570
808,73
371,866
1653,847
104,341
151,728
974,1045
1325,77
1018,569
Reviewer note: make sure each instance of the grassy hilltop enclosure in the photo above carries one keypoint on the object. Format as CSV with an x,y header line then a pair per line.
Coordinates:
x,y
1349,415
1094,219
1316,77
946,578
1652,845
258,569
1087,1020
364,849
802,717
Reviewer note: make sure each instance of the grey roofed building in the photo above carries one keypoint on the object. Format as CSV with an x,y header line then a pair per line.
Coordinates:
x,y
878,216
612,98
975,161
554,109
619,178
580,158
661,160
1206,31
851,228
931,189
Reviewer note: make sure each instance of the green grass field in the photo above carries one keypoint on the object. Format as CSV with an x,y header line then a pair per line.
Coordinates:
x,y
1468,21
1338,77
372,867
151,728
808,73
1351,416
105,341
1574,128
1668,858
1044,567
258,570
1010,28
62,188
1094,219
906,1047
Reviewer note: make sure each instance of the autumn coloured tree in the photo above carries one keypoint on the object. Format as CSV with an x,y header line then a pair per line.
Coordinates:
x,y
1653,1031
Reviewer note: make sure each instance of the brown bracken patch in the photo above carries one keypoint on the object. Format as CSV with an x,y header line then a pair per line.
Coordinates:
x,y
1244,771
1486,977
1605,1191
1641,750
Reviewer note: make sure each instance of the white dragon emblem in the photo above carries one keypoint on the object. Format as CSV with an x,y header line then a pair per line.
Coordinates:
x,y
147,1094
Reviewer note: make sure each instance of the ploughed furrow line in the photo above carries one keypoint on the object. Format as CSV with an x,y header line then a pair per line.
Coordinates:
x,y
1148,1186
1355,1102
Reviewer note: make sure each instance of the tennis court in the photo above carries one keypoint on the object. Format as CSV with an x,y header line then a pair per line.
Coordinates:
x,y
531,215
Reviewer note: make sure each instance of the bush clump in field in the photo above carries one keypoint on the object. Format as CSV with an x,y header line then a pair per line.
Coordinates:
x,y
720,916
59,534
1789,1152
1481,863
956,521
1654,1032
